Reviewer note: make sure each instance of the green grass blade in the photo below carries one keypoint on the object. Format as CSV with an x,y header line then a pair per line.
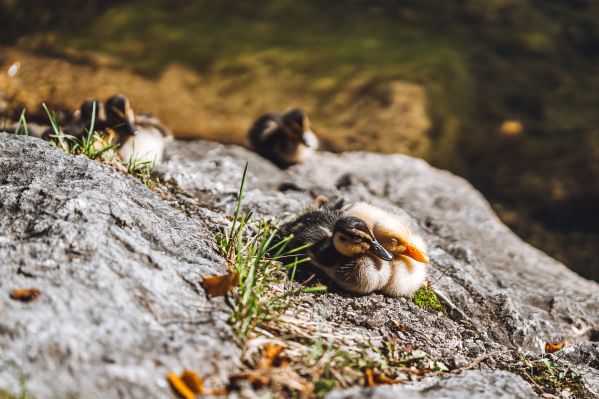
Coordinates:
x,y
239,197
22,122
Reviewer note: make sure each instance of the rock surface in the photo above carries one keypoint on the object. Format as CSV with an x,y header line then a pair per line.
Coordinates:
x,y
470,384
119,269
119,272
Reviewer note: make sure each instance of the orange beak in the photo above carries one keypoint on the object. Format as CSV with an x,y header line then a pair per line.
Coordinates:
x,y
415,253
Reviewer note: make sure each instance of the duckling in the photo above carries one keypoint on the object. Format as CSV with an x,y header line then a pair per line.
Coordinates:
x,y
82,122
343,248
283,139
408,267
141,140
82,118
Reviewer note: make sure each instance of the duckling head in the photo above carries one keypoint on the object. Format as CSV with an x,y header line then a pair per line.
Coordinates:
x,y
88,109
120,115
398,239
352,237
298,127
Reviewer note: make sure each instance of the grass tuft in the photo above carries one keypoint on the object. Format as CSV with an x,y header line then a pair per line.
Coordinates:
x,y
549,376
97,145
59,139
252,249
142,169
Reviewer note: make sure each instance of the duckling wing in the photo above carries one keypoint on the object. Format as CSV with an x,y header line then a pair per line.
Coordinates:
x,y
310,227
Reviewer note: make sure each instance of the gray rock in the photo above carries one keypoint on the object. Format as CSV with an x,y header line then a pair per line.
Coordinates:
x,y
469,384
119,272
584,353
119,269
501,293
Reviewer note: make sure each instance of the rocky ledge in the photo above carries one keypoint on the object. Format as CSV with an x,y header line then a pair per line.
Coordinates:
x,y
119,268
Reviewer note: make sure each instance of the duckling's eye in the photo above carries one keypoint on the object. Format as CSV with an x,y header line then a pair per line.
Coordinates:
x,y
356,240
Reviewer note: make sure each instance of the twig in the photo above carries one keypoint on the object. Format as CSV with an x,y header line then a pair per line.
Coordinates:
x,y
479,359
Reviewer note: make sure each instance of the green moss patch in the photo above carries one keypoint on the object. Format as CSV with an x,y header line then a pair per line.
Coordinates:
x,y
426,299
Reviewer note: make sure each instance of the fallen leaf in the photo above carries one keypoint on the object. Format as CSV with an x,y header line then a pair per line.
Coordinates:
x,y
374,378
217,392
220,285
25,294
193,381
179,386
551,347
272,354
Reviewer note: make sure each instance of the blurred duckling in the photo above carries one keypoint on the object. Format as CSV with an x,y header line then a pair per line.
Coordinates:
x,y
341,247
408,267
283,139
82,118
141,138
94,110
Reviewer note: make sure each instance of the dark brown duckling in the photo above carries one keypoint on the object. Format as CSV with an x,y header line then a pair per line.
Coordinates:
x,y
283,139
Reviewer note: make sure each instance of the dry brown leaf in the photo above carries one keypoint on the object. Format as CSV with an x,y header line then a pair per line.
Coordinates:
x,y
25,294
193,382
369,374
551,347
179,386
374,378
218,392
272,356
220,285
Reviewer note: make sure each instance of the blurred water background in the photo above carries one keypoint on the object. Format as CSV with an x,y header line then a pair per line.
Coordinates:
x,y
502,92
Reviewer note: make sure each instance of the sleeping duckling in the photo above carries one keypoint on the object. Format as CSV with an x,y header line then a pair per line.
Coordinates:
x,y
285,140
343,248
408,267
140,140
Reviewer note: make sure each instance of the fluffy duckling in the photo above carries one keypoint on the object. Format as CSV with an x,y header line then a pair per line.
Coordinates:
x,y
82,122
82,118
141,138
343,248
284,139
408,267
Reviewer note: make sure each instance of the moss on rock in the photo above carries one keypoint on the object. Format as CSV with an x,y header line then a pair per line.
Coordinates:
x,y
426,299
